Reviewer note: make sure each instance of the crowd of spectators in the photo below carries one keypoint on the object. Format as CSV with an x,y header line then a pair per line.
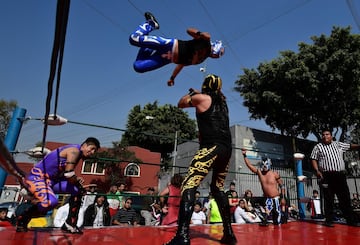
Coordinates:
x,y
116,207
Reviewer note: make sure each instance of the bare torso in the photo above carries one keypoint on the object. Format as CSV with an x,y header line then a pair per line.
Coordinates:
x,y
269,183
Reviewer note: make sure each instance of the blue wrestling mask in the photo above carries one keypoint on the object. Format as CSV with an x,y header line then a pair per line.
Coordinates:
x,y
266,164
217,48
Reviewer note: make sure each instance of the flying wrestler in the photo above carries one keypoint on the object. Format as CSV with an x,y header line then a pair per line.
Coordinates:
x,y
156,51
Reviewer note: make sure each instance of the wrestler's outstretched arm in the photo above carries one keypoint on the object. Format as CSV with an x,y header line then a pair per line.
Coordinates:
x,y
248,163
196,34
176,71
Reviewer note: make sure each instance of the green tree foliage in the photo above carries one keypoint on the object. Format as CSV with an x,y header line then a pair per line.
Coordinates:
x,y
300,93
6,110
153,127
114,161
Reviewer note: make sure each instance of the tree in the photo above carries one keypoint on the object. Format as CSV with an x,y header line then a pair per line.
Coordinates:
x,y
114,161
154,127
6,109
300,93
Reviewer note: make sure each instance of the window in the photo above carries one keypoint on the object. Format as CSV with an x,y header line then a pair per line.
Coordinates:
x,y
90,167
132,169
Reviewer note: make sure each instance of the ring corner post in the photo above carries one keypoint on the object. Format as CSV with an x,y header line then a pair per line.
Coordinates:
x,y
300,185
12,136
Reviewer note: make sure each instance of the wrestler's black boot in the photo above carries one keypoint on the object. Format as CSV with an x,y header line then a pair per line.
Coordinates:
x,y
70,223
185,212
150,18
223,203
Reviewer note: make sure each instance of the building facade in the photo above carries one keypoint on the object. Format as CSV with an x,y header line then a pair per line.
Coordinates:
x,y
279,148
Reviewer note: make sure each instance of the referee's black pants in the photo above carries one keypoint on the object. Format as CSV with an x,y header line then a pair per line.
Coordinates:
x,y
334,183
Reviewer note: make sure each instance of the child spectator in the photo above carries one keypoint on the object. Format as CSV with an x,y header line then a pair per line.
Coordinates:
x,y
198,216
314,206
4,220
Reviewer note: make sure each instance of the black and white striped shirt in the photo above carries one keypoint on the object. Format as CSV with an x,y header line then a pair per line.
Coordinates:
x,y
330,157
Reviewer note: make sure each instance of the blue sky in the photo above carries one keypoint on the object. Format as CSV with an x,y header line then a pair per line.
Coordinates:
x,y
98,84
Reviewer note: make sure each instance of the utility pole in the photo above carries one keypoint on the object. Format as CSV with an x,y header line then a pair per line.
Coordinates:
x,y
174,153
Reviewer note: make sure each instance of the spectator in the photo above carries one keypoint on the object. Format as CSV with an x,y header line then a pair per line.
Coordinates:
x,y
232,187
248,196
173,193
113,199
4,220
293,212
270,183
120,192
242,214
198,216
126,216
146,210
207,206
314,206
158,213
233,202
98,213
327,158
198,197
87,200
214,216
355,201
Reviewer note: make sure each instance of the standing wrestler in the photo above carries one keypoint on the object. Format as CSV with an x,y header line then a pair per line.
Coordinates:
x,y
156,51
327,158
270,182
214,153
56,174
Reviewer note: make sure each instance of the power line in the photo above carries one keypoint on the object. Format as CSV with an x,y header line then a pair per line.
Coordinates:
x,y
354,12
271,20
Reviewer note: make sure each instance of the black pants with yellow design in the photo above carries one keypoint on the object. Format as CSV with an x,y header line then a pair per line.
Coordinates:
x,y
216,158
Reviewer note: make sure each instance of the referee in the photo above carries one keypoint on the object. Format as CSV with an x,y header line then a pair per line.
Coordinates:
x,y
328,162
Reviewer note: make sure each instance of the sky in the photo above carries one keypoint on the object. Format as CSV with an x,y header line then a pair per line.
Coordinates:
x,y
98,84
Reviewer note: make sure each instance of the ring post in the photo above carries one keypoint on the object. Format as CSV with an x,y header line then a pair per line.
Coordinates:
x,y
300,184
12,136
